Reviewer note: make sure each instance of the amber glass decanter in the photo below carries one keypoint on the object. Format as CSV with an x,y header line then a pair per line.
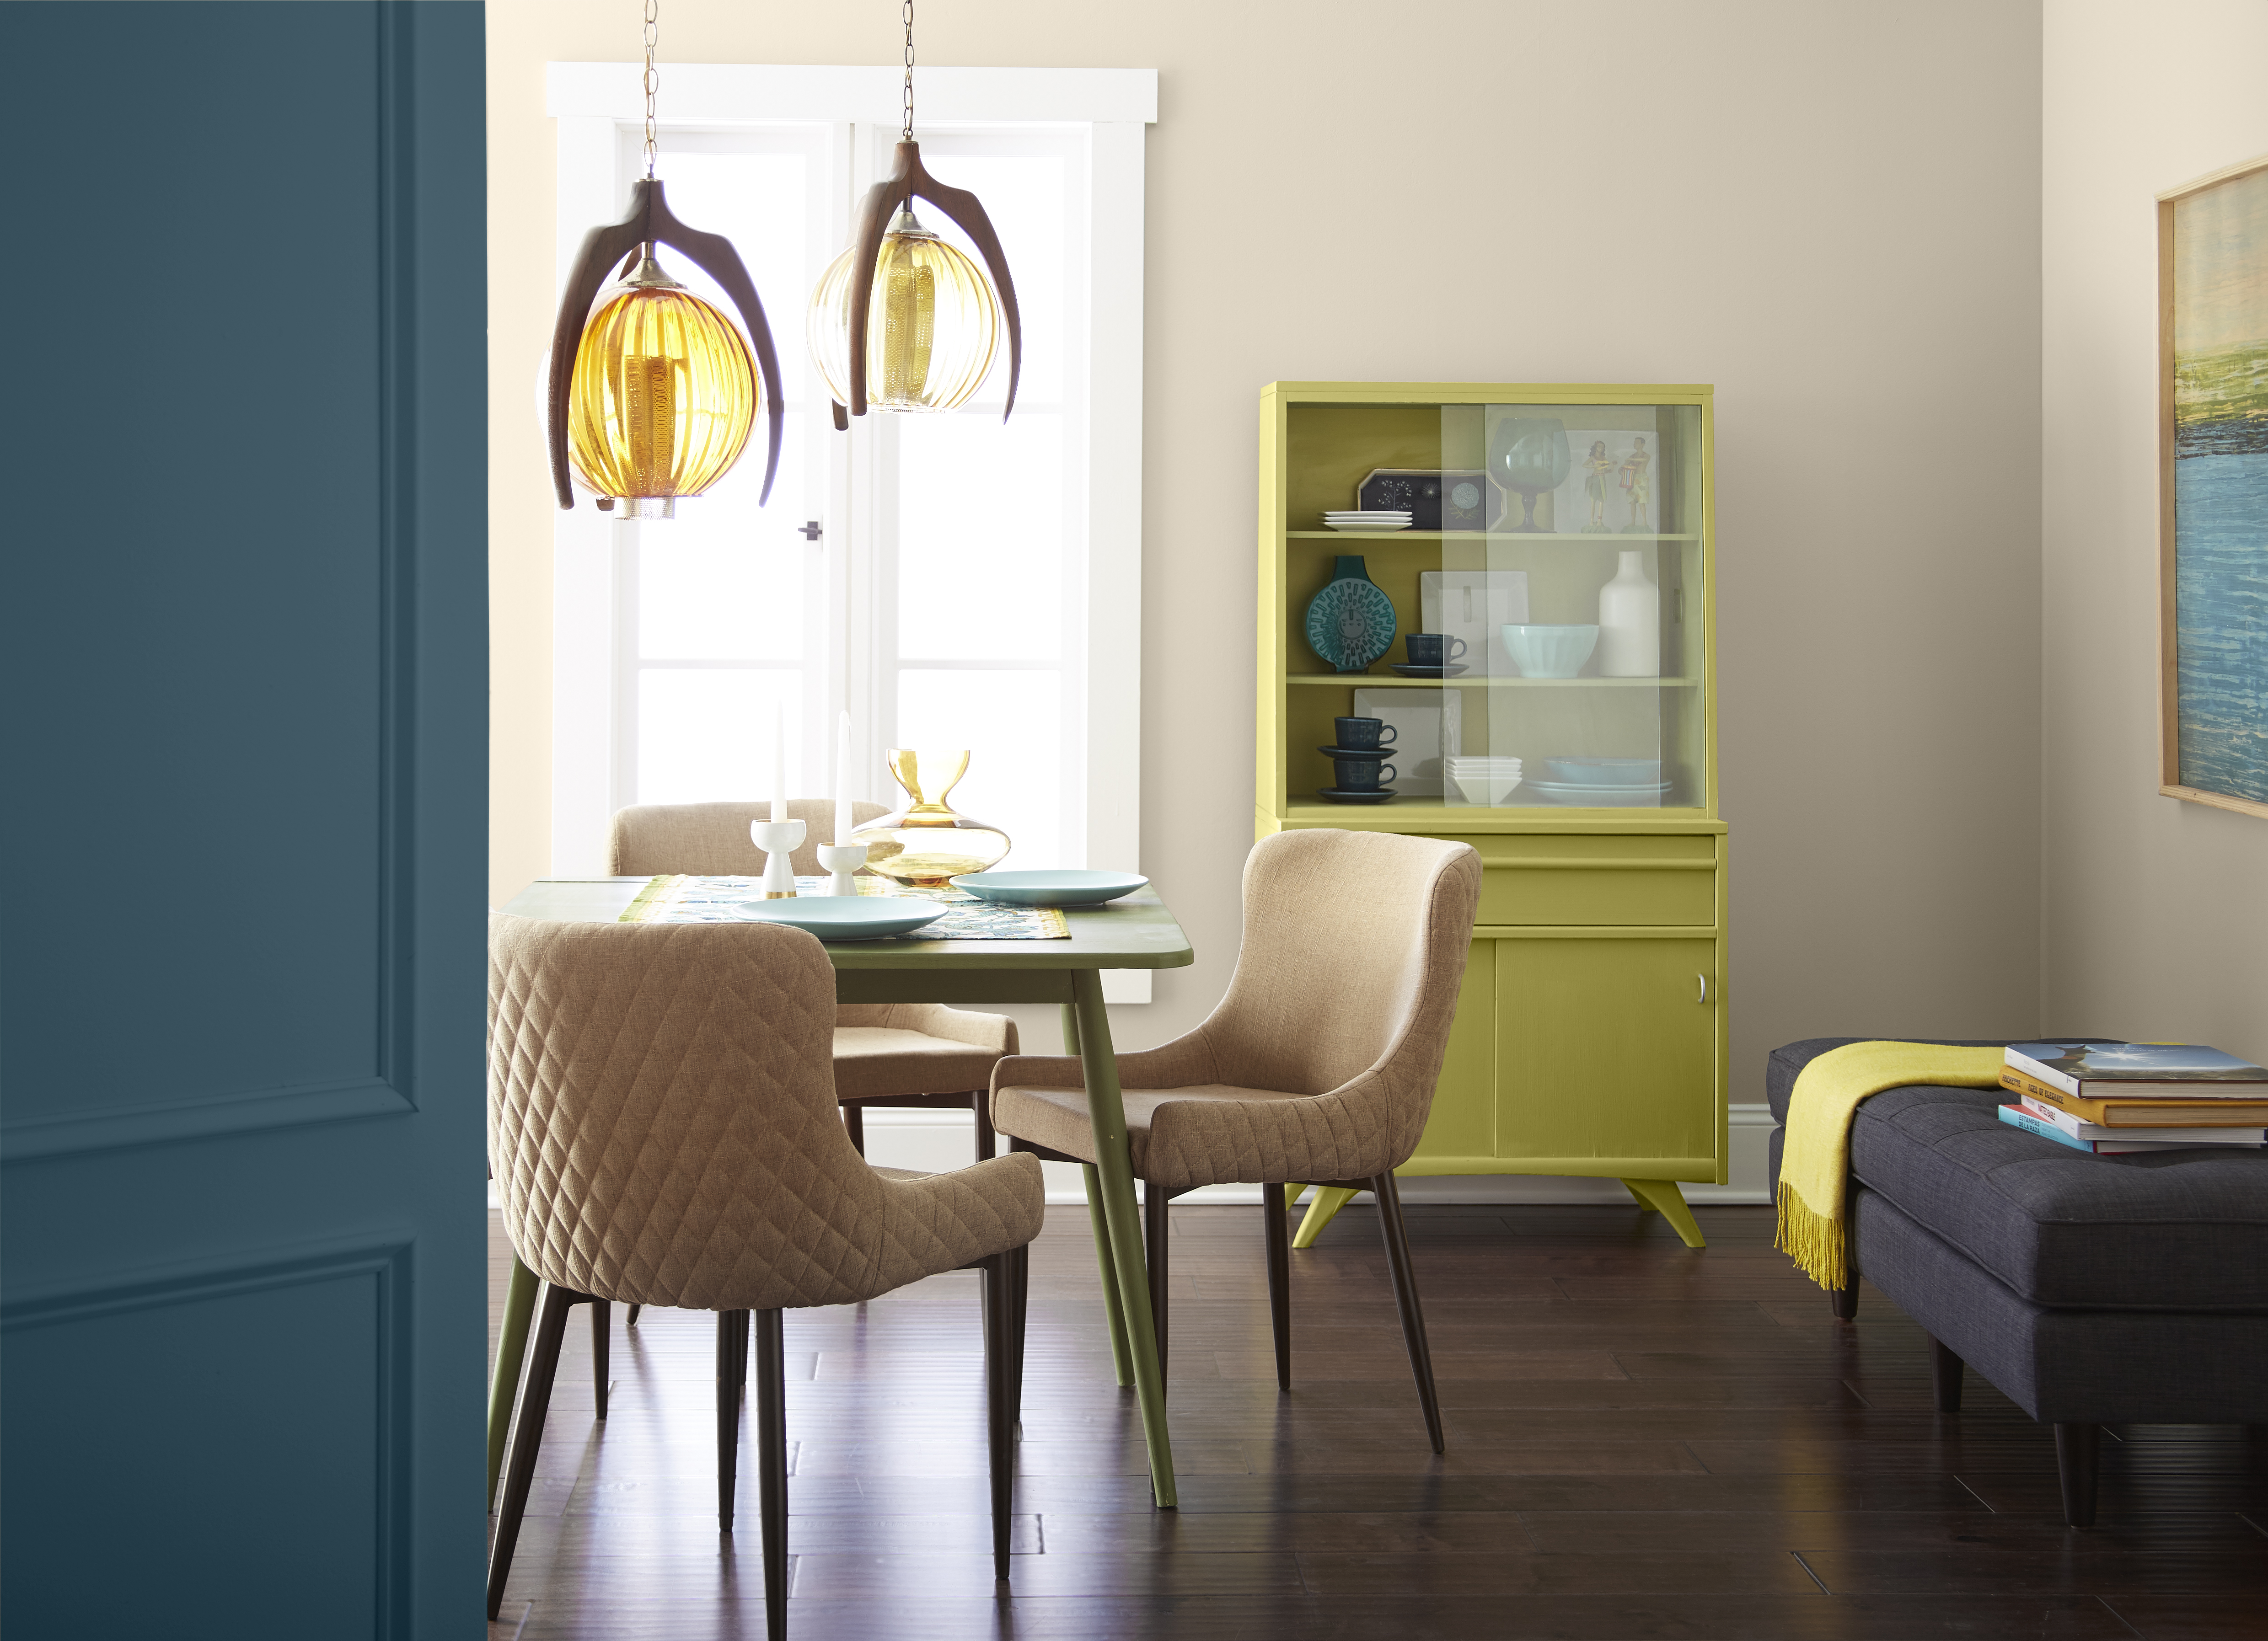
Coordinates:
x,y
925,844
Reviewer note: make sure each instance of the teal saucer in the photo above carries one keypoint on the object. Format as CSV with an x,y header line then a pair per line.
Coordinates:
x,y
845,916
1049,888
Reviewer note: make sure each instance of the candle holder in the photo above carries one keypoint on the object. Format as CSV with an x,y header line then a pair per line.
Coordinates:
x,y
778,839
841,860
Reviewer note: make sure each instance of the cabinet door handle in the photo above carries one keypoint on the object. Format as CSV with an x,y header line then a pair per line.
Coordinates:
x,y
1704,979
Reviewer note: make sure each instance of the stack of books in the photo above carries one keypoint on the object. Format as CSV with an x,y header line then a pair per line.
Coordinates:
x,y
2108,1098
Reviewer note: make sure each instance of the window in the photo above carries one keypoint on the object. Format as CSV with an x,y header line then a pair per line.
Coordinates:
x,y
947,579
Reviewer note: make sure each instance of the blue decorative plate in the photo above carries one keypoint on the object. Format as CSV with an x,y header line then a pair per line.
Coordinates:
x,y
1351,623
1049,888
846,916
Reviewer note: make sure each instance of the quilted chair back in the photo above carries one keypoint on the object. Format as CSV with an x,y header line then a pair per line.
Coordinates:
x,y
1354,947
711,840
663,1126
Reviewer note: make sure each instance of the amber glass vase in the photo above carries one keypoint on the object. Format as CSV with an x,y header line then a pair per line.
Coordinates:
x,y
926,842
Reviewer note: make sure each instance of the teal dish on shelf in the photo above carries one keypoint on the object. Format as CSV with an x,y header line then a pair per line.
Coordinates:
x,y
1049,888
845,916
1350,622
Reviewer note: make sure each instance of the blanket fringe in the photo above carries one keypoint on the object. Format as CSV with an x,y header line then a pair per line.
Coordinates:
x,y
1819,1245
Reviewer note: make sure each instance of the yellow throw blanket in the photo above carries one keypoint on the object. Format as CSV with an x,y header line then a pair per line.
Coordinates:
x,y
1815,1165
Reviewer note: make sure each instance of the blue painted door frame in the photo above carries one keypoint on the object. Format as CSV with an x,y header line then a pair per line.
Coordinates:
x,y
243,631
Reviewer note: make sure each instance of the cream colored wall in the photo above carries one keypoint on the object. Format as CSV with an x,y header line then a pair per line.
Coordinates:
x,y
1831,212
2155,921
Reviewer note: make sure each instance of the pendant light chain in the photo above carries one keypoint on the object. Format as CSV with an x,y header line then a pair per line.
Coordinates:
x,y
653,80
908,136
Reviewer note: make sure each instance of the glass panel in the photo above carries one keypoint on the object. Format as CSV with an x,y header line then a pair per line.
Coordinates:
x,y
706,734
1584,673
980,537
723,581
758,202
1023,197
1012,722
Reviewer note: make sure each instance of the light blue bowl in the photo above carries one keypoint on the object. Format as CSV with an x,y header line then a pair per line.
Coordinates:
x,y
1549,651
845,916
1050,888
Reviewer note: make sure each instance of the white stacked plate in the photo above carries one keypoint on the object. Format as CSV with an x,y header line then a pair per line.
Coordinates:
x,y
1370,522
1618,796
1484,780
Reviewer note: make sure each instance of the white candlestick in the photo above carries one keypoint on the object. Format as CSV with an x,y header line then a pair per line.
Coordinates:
x,y
779,762
842,825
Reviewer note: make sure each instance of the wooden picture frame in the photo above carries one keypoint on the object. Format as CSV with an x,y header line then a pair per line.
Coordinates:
x,y
2227,423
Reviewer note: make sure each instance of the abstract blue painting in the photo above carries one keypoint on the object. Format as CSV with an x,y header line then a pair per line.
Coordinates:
x,y
2215,255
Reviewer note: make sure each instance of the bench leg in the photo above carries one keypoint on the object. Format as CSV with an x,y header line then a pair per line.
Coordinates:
x,y
2077,1449
1944,1378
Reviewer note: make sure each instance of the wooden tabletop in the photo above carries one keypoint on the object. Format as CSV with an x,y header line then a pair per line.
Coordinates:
x,y
1133,932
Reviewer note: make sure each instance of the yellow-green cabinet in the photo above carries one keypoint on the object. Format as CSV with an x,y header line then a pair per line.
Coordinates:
x,y
1558,540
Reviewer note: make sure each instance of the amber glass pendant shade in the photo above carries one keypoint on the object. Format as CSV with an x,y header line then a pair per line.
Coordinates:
x,y
664,393
932,325
927,843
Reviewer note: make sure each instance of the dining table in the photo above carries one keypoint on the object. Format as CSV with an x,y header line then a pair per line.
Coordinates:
x,y
1135,932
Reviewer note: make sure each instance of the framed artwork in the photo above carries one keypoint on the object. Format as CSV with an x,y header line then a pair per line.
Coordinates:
x,y
2213,490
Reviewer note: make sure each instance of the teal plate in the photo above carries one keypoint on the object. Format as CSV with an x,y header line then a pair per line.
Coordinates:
x,y
1050,888
845,916
1351,623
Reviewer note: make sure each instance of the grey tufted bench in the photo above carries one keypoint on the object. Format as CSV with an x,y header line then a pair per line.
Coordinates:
x,y
2091,1290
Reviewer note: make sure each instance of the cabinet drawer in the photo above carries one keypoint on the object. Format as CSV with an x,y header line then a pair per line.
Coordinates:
x,y
1599,881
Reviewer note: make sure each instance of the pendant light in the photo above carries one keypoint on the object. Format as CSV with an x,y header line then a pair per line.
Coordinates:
x,y
903,321
652,397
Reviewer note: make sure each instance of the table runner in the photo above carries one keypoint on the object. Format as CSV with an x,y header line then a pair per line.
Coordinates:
x,y
679,898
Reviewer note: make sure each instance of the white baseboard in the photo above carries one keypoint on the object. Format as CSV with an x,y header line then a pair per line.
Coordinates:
x,y
934,1142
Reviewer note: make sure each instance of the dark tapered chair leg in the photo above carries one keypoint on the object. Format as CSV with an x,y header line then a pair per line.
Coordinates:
x,y
980,1105
732,1373
1843,1302
854,1119
2077,1449
535,1402
1405,1297
771,1467
632,1320
602,1327
1944,1378
1155,1203
1279,1278
1020,1303
999,1380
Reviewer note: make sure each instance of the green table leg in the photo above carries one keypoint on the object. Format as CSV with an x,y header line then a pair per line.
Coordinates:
x,y
504,1383
1107,1112
1664,1198
1122,1359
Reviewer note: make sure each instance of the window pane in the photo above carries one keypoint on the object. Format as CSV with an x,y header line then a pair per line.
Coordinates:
x,y
1023,197
757,202
723,581
980,538
706,735
1012,724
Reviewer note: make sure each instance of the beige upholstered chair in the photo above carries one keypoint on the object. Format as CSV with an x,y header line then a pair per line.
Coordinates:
x,y
663,1129
886,1054
1318,1066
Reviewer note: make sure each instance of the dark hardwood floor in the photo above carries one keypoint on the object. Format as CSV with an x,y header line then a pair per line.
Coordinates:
x,y
1644,1441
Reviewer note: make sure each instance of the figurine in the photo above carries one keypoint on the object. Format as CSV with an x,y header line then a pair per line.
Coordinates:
x,y
1596,467
1635,486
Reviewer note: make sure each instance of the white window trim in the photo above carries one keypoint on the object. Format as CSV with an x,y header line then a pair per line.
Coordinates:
x,y
593,102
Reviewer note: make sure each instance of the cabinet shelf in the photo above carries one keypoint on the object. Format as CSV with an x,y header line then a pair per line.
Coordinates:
x,y
1366,680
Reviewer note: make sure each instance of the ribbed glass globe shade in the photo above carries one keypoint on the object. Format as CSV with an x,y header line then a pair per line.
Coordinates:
x,y
931,326
663,395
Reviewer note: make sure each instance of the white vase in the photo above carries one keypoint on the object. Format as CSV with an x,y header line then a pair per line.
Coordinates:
x,y
1630,622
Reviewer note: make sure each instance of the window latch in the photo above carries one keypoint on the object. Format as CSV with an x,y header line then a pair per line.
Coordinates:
x,y
810,528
